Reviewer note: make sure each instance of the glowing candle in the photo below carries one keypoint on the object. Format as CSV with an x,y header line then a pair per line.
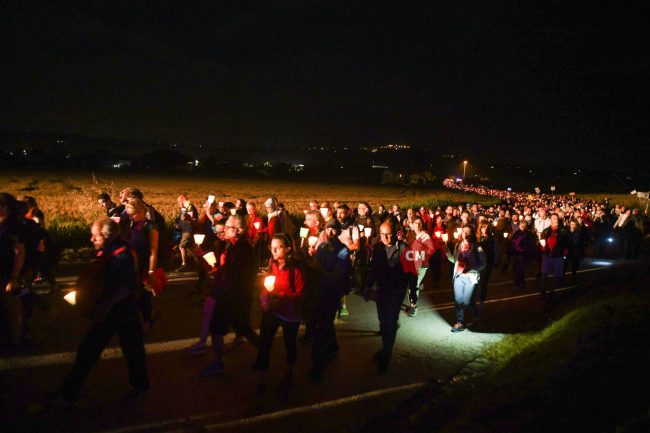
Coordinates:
x,y
210,258
211,199
233,211
437,234
71,298
445,237
494,223
323,211
313,240
505,234
257,225
304,232
456,235
367,231
542,242
361,226
198,239
269,283
459,229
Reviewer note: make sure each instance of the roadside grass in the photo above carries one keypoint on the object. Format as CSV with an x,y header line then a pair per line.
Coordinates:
x,y
586,371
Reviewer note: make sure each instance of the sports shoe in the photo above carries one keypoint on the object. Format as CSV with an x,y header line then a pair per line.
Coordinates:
x,y
412,310
212,369
458,327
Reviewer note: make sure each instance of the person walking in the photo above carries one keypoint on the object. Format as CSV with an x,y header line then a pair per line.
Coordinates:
x,y
114,312
387,280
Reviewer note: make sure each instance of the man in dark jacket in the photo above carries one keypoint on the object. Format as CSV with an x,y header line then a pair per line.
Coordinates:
x,y
386,274
333,266
115,311
232,291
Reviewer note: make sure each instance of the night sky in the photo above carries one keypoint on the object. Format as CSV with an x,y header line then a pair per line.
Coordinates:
x,y
535,81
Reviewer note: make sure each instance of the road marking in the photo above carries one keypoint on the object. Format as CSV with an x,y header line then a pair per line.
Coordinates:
x,y
108,353
491,301
315,407
159,424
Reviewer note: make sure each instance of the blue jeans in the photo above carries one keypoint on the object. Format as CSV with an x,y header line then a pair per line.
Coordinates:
x,y
555,266
463,296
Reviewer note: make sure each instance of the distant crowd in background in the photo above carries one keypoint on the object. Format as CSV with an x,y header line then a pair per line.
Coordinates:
x,y
309,266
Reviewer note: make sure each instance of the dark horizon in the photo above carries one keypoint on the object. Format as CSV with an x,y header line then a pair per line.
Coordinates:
x,y
551,83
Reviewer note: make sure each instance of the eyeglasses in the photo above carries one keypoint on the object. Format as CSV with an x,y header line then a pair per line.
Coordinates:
x,y
385,235
231,228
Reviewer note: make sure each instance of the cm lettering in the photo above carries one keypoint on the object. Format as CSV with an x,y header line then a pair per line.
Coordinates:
x,y
415,255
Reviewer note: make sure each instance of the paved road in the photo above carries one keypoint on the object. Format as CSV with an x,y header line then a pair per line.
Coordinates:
x,y
351,393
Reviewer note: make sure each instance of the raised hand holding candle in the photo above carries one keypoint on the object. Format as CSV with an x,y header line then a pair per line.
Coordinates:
x,y
304,232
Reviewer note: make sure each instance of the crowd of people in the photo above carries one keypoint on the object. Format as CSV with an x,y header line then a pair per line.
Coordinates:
x,y
310,267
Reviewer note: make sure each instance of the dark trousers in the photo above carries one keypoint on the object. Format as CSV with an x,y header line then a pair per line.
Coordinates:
x,y
242,318
389,305
435,264
126,324
519,264
146,304
325,345
414,289
268,329
573,263
483,282
555,266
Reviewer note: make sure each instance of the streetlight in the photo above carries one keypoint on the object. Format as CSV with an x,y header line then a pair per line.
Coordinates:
x,y
464,167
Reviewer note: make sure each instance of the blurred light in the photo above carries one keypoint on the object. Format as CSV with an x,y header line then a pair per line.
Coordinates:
x,y
269,283
71,298
610,240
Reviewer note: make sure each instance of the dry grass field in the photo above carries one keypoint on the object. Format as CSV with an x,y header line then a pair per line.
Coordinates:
x,y
70,205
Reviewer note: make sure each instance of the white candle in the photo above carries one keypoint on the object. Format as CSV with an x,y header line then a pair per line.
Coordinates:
x,y
494,223
456,235
542,242
233,211
71,298
211,199
269,283
198,239
210,258
323,211
437,234
459,229
367,231
313,240
445,237
505,234
304,232
257,225
361,226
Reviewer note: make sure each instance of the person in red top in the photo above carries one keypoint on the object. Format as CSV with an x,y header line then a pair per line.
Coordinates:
x,y
281,307
255,232
555,244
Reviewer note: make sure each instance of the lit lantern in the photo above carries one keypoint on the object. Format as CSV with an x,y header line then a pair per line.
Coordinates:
x,y
257,225
71,298
456,235
233,211
304,232
542,242
269,283
198,239
494,223
323,211
438,234
367,231
505,234
210,258
445,237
